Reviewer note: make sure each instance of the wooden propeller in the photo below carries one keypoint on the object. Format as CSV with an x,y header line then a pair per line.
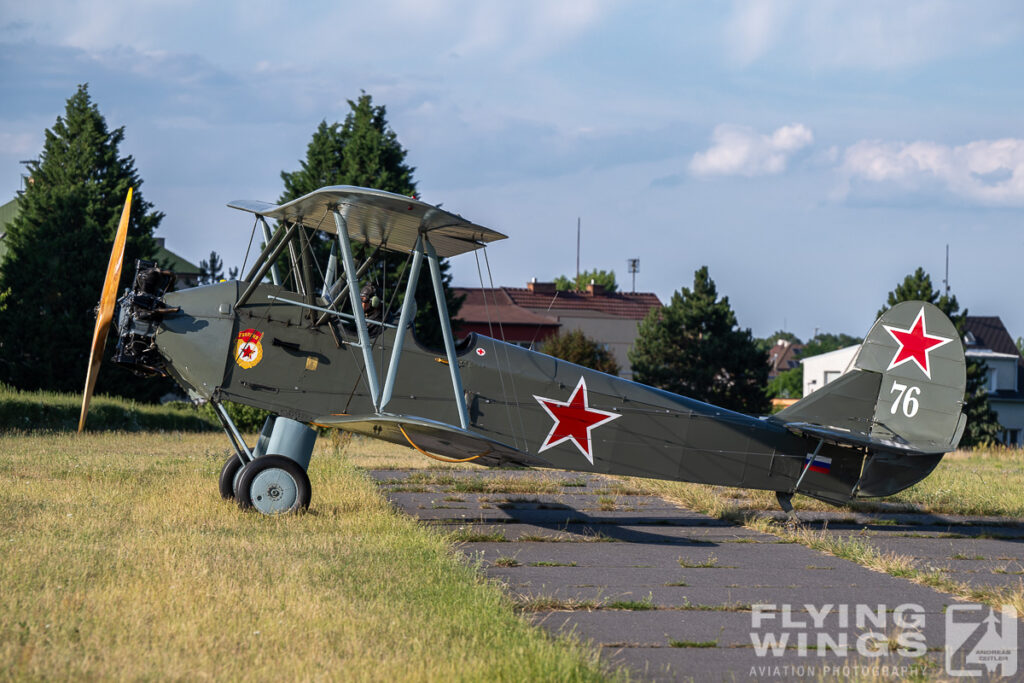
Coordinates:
x,y
105,312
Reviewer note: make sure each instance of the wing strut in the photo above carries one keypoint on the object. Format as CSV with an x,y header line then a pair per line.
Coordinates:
x,y
446,329
810,461
264,263
357,307
275,276
403,322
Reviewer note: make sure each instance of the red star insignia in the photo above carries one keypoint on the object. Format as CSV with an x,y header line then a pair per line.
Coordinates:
x,y
574,420
915,344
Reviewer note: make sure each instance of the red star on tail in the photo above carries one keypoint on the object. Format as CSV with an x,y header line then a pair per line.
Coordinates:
x,y
915,344
574,420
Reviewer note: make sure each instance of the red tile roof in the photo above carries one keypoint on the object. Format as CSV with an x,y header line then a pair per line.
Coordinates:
x,y
514,305
633,306
495,305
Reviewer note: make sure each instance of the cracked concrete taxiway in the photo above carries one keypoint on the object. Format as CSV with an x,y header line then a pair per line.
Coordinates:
x,y
673,594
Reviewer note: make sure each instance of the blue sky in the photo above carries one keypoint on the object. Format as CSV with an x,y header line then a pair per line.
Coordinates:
x,y
810,153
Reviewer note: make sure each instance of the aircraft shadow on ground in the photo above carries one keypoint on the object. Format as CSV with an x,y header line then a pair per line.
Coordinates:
x,y
568,519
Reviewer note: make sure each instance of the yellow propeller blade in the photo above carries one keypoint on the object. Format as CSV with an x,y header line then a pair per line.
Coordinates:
x,y
106,310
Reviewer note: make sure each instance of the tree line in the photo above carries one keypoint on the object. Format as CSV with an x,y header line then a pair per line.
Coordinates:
x,y
58,247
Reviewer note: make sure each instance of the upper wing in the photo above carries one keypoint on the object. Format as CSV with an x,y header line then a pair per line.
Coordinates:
x,y
378,218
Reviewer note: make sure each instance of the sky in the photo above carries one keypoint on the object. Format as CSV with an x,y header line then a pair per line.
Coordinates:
x,y
810,153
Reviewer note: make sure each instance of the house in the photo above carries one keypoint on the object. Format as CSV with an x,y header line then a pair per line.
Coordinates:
x,y
527,316
985,339
821,369
187,272
783,356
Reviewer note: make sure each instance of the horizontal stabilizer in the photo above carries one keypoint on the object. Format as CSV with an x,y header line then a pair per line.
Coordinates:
x,y
846,407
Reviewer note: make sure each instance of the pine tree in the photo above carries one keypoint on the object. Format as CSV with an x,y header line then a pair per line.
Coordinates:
x,y
211,271
364,151
58,250
576,347
982,422
694,347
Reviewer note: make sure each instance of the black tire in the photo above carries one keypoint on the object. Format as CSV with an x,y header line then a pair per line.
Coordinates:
x,y
283,477
227,476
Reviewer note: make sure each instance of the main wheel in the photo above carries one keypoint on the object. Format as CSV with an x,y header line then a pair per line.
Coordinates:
x,y
274,484
229,475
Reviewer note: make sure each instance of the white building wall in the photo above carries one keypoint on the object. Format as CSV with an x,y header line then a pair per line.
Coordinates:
x,y
825,367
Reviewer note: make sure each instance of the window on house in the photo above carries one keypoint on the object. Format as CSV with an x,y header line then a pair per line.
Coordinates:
x,y
993,381
831,375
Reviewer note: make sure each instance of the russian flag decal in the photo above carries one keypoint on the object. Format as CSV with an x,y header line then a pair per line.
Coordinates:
x,y
820,464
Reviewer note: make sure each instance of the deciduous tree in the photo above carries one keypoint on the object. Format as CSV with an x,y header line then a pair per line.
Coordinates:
x,y
576,347
605,278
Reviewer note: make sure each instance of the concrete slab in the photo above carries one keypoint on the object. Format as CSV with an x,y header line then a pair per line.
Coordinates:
x,y
706,581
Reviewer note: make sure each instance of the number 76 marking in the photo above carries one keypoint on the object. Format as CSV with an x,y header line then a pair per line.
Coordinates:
x,y
907,397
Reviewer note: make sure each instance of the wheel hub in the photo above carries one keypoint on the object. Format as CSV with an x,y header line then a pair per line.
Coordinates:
x,y
274,491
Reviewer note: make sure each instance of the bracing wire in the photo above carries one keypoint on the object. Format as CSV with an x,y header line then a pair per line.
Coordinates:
x,y
508,359
252,235
490,331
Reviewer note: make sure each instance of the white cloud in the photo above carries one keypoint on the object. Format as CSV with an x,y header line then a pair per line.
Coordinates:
x,y
989,172
754,27
740,150
875,34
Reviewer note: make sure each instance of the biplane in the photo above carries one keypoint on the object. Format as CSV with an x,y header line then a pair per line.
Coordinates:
x,y
311,351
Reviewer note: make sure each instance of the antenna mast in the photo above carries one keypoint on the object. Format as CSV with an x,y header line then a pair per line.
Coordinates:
x,y
634,268
946,280
577,252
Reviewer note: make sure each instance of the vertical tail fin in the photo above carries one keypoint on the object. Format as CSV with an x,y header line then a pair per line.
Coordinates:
x,y
905,390
918,351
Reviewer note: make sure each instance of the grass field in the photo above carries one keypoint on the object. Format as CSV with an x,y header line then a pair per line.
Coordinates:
x,y
121,561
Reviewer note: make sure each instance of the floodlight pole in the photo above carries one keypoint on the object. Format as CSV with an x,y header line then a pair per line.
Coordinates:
x,y
446,329
408,306
357,308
